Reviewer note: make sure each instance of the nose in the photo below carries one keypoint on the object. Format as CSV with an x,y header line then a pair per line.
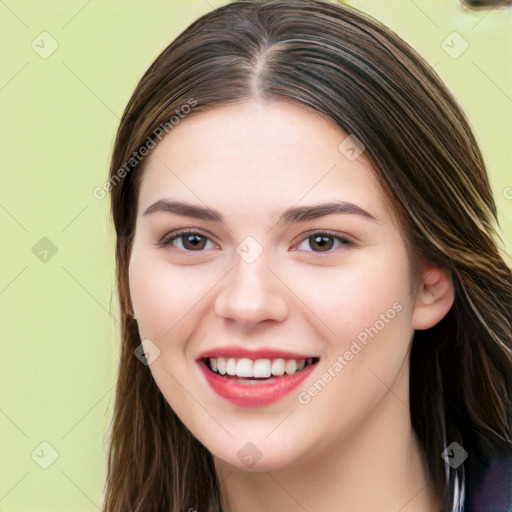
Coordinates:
x,y
251,295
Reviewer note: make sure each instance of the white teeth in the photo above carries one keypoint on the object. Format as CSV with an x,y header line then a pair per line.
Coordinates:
x,y
278,367
221,365
244,368
259,368
290,367
231,366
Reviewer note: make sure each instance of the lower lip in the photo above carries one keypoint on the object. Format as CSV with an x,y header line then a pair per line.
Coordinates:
x,y
254,395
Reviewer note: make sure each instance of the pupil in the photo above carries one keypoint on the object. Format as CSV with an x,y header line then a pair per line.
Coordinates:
x,y
194,239
322,241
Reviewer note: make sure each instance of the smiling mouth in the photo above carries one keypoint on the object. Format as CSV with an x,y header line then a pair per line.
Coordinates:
x,y
255,381
253,371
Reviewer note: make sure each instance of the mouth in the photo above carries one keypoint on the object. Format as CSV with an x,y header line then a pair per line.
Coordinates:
x,y
250,381
258,370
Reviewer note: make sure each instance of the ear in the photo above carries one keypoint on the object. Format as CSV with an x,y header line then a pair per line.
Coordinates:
x,y
434,297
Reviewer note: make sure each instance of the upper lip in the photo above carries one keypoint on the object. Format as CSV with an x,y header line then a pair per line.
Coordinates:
x,y
262,353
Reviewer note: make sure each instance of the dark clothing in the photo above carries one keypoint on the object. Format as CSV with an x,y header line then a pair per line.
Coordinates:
x,y
490,490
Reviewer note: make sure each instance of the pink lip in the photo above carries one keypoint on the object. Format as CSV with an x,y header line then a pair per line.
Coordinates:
x,y
264,353
254,395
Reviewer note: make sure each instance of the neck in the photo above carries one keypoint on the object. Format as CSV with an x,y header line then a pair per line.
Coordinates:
x,y
377,467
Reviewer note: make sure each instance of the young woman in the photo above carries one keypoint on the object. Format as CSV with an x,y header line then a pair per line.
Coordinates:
x,y
316,313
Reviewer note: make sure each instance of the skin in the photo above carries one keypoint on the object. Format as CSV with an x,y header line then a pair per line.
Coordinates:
x,y
351,447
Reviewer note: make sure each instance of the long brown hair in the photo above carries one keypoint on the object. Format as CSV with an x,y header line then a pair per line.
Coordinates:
x,y
348,66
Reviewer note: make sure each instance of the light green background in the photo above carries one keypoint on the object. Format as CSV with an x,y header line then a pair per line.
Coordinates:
x,y
59,117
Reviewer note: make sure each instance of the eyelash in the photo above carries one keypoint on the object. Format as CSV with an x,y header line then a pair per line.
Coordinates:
x,y
168,239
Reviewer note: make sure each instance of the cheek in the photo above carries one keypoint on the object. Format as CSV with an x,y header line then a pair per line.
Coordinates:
x,y
149,294
345,301
368,307
168,304
157,295
167,300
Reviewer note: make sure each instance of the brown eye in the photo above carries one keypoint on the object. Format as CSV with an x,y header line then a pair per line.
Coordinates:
x,y
324,242
190,241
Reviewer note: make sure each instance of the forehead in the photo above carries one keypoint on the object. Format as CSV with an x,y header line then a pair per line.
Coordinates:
x,y
254,156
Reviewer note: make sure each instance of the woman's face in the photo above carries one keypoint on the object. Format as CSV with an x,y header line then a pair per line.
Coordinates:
x,y
269,290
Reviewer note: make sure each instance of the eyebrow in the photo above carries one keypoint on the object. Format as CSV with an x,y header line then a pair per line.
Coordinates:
x,y
292,215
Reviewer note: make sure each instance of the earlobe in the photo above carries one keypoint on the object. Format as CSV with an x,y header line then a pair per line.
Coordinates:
x,y
434,298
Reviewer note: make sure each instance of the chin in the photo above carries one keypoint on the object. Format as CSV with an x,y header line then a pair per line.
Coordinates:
x,y
257,462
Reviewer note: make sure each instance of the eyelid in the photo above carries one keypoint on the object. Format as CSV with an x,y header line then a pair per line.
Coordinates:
x,y
342,237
